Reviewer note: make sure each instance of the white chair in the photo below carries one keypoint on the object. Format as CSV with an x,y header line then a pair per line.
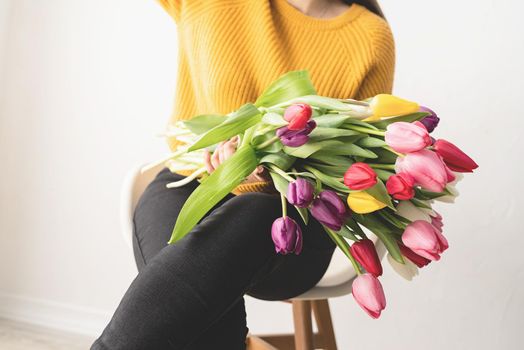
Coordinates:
x,y
336,282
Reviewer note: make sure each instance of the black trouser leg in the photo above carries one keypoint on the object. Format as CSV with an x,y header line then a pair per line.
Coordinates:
x,y
189,295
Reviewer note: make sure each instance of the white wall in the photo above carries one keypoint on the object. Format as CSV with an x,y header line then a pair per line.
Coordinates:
x,y
87,86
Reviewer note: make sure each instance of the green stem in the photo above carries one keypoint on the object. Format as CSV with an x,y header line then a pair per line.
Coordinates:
x,y
267,142
284,204
366,130
344,246
393,151
382,166
280,172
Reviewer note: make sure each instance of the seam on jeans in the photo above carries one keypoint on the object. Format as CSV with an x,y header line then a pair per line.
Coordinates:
x,y
139,248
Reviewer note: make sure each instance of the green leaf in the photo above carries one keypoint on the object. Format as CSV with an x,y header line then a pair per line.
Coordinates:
x,y
274,119
355,227
272,148
384,156
288,86
348,149
331,120
383,174
204,122
222,181
324,102
426,195
380,193
327,180
383,124
309,148
358,122
419,203
371,142
236,123
280,159
320,133
331,170
331,159
346,232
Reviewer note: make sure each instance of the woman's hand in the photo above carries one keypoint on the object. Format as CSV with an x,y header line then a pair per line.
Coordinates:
x,y
224,150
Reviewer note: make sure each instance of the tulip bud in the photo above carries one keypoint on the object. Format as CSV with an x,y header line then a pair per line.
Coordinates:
x,y
454,158
300,192
329,210
400,186
295,138
426,168
369,294
365,253
360,176
407,137
424,240
384,105
297,115
431,121
363,203
286,235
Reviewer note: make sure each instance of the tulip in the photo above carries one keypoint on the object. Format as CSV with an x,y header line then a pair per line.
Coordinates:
x,y
384,105
424,240
400,186
362,202
297,115
454,158
369,294
431,121
416,259
365,253
408,210
451,187
407,137
329,210
300,192
436,221
286,235
408,270
295,138
449,174
360,176
426,168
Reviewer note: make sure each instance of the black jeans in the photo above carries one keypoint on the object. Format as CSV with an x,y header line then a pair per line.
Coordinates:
x,y
190,295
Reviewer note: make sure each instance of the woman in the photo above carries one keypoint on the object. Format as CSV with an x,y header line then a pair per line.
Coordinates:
x,y
189,295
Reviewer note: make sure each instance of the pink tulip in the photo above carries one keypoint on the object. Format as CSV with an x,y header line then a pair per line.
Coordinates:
x,y
413,257
407,137
424,239
454,158
426,168
365,253
298,115
368,293
436,221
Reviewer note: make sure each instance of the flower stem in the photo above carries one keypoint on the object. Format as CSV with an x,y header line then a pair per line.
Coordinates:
x,y
281,172
267,142
393,151
344,246
187,179
382,166
284,204
366,130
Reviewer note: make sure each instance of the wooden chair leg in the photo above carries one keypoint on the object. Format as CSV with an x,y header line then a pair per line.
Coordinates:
x,y
324,324
303,326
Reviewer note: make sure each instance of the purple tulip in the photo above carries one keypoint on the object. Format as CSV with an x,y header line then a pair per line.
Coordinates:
x,y
300,192
295,138
329,210
431,121
287,236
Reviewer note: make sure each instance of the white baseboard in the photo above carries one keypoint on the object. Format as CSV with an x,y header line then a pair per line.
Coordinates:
x,y
50,314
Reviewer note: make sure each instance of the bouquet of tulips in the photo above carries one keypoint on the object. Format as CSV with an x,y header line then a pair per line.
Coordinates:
x,y
355,166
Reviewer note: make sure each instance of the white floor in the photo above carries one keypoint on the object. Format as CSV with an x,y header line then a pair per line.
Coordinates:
x,y
20,336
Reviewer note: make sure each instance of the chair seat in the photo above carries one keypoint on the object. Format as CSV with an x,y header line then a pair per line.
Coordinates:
x,y
336,280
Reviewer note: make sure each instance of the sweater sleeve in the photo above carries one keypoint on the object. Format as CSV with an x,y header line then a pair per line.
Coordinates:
x,y
379,78
172,7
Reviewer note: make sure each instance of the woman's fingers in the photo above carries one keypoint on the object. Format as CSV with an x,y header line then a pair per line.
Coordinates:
x,y
207,161
215,161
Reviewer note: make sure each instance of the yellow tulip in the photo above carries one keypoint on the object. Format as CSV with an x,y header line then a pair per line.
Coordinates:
x,y
362,202
384,105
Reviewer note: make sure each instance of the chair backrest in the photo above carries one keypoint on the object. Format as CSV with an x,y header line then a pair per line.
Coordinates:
x,y
133,186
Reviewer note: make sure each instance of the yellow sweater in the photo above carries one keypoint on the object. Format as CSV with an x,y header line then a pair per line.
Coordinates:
x,y
231,50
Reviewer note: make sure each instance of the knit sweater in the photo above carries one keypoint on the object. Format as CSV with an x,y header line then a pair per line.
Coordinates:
x,y
231,50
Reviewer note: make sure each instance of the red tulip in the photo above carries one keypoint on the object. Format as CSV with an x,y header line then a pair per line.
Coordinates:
x,y
365,253
360,176
297,115
454,158
369,294
424,240
426,168
400,186
416,259
407,137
